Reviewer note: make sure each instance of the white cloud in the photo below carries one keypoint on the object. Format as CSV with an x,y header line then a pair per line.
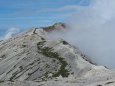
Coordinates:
x,y
9,33
59,9
22,18
93,31
67,7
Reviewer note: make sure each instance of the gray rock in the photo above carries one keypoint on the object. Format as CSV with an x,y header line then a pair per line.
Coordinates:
x,y
29,58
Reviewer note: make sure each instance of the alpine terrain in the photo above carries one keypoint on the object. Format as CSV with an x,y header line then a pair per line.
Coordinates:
x,y
32,59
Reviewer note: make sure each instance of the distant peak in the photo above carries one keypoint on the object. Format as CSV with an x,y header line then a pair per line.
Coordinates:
x,y
56,26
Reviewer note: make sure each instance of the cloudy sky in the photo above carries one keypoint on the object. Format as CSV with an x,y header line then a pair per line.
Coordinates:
x,y
91,23
24,14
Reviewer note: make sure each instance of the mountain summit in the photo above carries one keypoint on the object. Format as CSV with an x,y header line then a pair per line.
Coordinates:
x,y
56,26
29,58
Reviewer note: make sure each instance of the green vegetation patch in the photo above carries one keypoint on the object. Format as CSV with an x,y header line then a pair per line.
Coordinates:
x,y
50,28
64,42
3,56
48,52
23,46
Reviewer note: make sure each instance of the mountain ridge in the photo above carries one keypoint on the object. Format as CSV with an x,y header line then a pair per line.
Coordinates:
x,y
30,56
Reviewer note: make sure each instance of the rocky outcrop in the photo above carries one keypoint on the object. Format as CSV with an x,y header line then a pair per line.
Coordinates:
x,y
56,26
29,56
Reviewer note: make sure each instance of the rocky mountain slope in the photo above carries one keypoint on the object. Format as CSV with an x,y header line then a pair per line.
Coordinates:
x,y
29,58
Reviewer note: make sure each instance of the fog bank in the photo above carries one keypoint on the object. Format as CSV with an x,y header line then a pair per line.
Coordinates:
x,y
9,33
92,29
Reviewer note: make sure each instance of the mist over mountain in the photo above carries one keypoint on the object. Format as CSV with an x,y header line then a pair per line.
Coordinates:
x,y
9,33
91,28
36,57
79,51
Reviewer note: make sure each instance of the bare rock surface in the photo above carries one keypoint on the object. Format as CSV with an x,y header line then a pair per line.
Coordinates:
x,y
30,59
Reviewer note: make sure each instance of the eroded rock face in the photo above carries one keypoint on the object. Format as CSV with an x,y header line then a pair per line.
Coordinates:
x,y
56,26
29,56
